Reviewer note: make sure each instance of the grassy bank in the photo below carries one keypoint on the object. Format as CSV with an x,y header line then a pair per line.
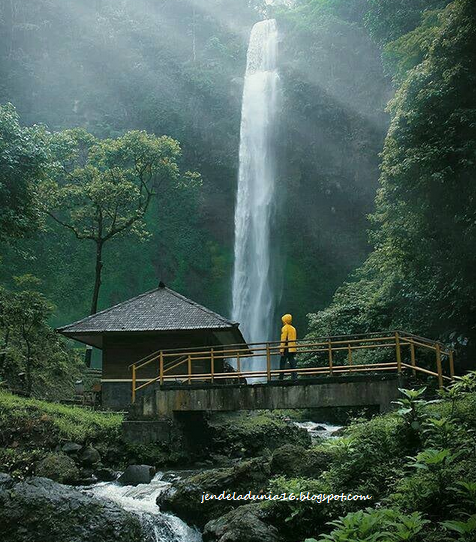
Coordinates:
x,y
30,429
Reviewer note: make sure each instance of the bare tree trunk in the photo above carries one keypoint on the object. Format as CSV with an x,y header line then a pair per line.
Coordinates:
x,y
29,382
97,282
3,355
97,287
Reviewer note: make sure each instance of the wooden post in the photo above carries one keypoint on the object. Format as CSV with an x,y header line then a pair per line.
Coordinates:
x,y
330,357
212,364
452,365
189,369
238,363
398,352
350,358
438,366
133,383
161,367
268,362
412,357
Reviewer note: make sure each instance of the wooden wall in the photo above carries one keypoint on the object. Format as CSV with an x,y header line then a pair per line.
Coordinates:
x,y
122,349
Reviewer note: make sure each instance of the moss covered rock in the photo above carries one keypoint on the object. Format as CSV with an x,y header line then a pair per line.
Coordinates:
x,y
248,434
58,467
245,524
295,461
185,497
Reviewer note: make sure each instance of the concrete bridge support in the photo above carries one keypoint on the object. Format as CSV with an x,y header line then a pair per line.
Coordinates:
x,y
151,417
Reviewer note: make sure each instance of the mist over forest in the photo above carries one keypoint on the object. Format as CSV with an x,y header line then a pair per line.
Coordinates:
x,y
374,226
237,270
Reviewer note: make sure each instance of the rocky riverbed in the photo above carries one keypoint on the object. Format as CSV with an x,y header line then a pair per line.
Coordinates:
x,y
78,495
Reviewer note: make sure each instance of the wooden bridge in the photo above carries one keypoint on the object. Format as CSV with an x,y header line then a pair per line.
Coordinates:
x,y
177,376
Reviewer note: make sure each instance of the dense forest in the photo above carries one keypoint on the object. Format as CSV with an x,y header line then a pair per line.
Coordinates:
x,y
375,223
119,169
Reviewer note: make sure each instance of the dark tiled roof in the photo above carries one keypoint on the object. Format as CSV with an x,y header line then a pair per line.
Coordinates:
x,y
161,309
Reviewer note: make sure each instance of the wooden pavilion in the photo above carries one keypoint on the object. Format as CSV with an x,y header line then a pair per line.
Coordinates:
x,y
156,320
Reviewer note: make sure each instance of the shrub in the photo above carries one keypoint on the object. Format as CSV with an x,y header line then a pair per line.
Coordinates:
x,y
376,525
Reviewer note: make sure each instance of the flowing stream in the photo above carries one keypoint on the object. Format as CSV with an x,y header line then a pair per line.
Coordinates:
x,y
253,290
319,430
141,500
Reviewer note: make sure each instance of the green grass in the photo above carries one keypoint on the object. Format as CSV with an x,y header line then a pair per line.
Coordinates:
x,y
67,422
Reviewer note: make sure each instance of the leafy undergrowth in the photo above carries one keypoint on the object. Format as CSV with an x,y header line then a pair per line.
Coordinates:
x,y
418,464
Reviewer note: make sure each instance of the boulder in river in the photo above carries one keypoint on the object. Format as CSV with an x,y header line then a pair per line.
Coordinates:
x,y
244,524
288,460
58,467
40,510
137,474
89,457
184,498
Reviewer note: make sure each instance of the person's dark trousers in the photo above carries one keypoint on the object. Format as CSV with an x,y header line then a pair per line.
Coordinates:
x,y
291,357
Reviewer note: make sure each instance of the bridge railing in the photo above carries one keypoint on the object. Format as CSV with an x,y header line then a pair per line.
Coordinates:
x,y
326,355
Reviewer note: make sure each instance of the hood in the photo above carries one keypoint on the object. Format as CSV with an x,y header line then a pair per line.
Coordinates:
x,y
287,319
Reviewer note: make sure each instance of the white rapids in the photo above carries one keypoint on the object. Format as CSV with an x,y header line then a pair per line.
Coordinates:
x,y
254,294
141,500
319,430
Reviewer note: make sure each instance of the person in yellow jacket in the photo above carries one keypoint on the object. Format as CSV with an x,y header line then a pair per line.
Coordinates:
x,y
288,346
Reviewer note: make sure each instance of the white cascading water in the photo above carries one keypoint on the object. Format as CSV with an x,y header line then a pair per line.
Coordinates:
x,y
157,526
253,294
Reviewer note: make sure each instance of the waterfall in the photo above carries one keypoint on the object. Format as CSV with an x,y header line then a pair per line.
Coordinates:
x,y
253,292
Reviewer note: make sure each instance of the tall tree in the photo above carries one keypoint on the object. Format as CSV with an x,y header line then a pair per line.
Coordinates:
x,y
101,189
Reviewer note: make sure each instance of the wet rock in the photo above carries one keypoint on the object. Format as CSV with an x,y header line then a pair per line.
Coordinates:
x,y
71,448
137,474
105,475
295,461
58,467
89,457
317,461
184,498
288,460
6,481
40,510
244,524
250,435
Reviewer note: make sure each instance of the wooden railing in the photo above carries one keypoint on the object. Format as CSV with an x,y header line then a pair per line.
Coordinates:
x,y
338,352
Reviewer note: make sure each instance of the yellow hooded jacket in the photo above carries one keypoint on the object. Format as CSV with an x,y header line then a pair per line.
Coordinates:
x,y
288,335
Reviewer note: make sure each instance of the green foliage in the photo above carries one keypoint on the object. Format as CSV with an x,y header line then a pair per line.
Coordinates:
x,y
411,410
67,422
297,517
465,529
370,525
24,161
406,52
29,346
388,20
410,281
102,188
